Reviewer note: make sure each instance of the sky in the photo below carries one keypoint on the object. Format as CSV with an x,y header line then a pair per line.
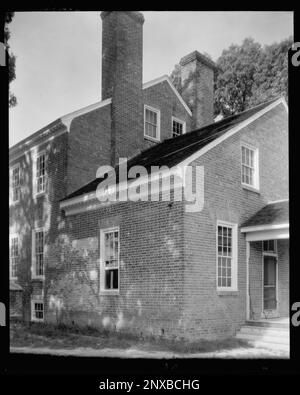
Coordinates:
x,y
58,66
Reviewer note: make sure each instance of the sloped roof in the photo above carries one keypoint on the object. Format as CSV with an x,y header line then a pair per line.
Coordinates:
x,y
172,151
272,214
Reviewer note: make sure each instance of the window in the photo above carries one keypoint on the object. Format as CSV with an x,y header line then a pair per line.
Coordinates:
x,y
270,246
15,183
40,178
226,256
38,253
250,166
37,310
14,256
178,127
152,123
109,258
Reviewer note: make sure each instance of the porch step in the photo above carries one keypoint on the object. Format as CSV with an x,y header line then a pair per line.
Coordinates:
x,y
267,334
269,324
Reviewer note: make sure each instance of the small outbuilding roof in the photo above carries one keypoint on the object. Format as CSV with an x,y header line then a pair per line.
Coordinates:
x,y
276,213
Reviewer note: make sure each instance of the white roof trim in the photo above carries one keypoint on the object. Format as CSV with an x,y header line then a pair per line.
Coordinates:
x,y
264,227
231,132
167,78
278,201
67,119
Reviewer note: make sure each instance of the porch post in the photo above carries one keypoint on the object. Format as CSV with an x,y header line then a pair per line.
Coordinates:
x,y
247,280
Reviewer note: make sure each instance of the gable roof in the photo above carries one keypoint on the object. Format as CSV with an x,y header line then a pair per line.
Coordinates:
x,y
174,151
274,213
168,80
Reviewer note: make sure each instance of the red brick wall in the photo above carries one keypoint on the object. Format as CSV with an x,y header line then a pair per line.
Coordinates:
x,y
197,80
88,147
42,211
225,199
151,269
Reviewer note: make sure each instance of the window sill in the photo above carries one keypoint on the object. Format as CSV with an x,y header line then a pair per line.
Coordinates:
x,y
227,293
37,195
37,320
108,293
38,278
151,139
251,189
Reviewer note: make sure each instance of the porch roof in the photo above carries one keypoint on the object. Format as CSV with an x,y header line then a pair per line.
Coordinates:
x,y
270,222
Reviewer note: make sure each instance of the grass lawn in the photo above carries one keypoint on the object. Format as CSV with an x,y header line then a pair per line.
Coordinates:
x,y
58,337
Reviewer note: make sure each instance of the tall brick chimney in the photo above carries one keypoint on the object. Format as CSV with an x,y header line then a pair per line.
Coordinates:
x,y
197,78
122,79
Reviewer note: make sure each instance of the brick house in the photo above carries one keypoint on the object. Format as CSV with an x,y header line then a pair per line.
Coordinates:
x,y
152,267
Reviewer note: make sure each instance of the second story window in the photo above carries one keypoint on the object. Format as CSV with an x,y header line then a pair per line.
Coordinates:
x,y
152,123
41,173
16,183
14,255
38,253
250,167
178,127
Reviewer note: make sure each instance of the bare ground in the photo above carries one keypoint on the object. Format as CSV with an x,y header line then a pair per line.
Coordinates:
x,y
45,339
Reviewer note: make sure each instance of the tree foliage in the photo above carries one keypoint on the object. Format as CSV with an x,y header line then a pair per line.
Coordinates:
x,y
249,74
11,58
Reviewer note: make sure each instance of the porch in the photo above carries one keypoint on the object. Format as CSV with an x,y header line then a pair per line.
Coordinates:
x,y
267,254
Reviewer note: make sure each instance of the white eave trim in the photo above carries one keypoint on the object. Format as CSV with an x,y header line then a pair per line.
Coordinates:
x,y
67,119
259,228
167,79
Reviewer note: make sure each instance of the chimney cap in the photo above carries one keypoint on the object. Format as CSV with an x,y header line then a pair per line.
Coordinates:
x,y
136,15
195,55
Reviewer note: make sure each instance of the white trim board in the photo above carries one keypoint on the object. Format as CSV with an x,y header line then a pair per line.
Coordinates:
x,y
247,229
66,121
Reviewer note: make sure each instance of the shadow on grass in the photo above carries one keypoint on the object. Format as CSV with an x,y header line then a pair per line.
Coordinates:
x,y
62,336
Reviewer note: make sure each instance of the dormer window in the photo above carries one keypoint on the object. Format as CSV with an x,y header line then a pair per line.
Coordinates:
x,y
151,123
178,127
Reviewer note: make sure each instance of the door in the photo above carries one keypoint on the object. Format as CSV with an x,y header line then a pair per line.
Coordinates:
x,y
270,283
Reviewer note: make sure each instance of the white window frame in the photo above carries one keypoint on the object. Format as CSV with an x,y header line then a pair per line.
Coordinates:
x,y
33,254
36,156
13,236
16,166
234,258
255,167
146,107
103,290
37,299
174,119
